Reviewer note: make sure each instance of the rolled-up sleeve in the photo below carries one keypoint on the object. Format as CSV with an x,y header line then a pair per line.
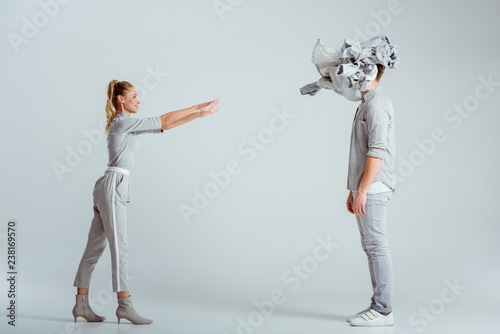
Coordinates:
x,y
140,125
377,121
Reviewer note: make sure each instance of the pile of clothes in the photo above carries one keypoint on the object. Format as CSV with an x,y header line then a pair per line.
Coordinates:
x,y
350,70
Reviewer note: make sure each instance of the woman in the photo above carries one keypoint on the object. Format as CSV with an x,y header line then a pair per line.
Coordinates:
x,y
112,192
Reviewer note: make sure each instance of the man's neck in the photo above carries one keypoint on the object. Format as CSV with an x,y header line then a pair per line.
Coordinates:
x,y
373,85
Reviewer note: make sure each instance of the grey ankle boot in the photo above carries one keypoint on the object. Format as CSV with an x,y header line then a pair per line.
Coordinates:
x,y
82,309
126,310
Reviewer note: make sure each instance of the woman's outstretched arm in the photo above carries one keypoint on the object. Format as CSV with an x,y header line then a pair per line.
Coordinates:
x,y
175,118
175,115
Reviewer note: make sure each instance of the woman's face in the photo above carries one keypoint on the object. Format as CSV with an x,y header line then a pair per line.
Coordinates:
x,y
130,101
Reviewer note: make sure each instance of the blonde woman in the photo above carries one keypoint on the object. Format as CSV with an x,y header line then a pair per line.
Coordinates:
x,y
112,192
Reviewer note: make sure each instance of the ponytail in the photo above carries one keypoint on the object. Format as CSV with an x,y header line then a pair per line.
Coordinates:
x,y
115,88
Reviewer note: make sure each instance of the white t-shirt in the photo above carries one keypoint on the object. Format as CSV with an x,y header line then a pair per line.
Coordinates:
x,y
375,188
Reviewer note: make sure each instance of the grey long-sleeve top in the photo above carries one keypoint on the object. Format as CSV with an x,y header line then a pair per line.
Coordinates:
x,y
122,137
372,135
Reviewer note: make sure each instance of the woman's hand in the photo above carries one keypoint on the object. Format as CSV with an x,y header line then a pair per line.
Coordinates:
x,y
208,108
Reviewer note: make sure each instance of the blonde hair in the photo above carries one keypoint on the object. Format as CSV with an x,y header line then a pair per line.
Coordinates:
x,y
115,88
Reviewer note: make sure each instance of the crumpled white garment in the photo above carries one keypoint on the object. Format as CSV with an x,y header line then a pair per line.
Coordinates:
x,y
350,70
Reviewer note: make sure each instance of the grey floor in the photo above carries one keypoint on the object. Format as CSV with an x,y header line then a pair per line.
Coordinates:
x,y
309,313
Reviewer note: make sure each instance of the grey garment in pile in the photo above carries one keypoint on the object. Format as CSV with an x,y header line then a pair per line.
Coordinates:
x,y
110,195
324,58
350,70
372,230
123,142
373,134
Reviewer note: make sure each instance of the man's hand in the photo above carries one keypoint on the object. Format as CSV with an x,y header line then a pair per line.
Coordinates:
x,y
358,205
349,202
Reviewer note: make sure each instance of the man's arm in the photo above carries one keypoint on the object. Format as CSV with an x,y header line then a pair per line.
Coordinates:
x,y
377,120
371,169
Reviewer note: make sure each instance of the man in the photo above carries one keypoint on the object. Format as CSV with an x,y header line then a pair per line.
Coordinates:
x,y
371,183
354,72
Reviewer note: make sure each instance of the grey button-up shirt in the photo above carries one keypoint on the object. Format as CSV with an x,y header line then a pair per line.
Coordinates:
x,y
372,135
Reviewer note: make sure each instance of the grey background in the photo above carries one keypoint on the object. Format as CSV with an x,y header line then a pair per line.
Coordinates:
x,y
200,277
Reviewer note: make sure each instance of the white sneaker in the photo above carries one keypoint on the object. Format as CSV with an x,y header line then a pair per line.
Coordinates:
x,y
373,318
354,316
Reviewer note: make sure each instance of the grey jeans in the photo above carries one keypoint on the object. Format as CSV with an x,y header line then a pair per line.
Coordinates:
x,y
372,228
